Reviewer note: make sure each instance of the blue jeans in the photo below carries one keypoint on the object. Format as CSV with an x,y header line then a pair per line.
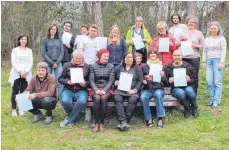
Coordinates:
x,y
214,79
187,97
56,73
159,98
74,110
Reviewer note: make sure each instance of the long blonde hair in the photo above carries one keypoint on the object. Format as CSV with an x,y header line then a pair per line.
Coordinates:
x,y
111,34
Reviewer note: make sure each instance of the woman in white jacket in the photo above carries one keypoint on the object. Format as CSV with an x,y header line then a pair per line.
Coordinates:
x,y
21,72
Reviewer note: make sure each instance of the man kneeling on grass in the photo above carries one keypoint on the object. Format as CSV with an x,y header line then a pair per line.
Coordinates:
x,y
42,93
185,94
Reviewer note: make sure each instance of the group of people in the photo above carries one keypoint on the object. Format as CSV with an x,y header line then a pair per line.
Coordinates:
x,y
102,69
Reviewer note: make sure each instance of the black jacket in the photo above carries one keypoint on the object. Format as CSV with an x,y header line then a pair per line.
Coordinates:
x,y
65,76
151,86
101,76
189,72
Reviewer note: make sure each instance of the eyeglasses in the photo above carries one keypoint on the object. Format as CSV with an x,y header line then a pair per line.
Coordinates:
x,y
67,26
191,22
129,57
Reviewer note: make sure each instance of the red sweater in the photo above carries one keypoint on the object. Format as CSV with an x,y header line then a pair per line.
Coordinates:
x,y
165,57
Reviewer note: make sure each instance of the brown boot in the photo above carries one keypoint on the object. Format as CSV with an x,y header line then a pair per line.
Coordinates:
x,y
95,128
101,128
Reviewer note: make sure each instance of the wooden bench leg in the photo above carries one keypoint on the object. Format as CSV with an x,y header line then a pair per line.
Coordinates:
x,y
88,114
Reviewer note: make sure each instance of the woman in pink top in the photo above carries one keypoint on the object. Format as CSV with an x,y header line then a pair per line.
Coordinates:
x,y
165,57
197,39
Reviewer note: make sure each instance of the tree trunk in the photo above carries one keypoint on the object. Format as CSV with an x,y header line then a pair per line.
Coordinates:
x,y
98,16
192,8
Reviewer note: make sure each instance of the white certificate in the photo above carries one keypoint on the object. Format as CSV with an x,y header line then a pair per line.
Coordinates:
x,y
155,70
101,43
76,75
125,81
23,101
177,33
179,75
186,47
80,41
138,42
163,44
66,37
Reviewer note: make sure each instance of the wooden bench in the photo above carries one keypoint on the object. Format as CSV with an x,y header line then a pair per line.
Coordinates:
x,y
169,101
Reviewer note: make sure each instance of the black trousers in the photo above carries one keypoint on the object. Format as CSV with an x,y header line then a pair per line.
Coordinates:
x,y
20,85
195,63
99,107
132,101
47,103
144,54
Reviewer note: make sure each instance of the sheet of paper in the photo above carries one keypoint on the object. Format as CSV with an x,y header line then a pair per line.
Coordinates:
x,y
101,43
138,42
76,75
155,70
66,37
163,44
179,75
177,33
186,47
125,81
23,101
80,39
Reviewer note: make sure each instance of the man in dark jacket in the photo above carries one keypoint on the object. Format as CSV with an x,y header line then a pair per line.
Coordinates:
x,y
185,94
77,90
68,47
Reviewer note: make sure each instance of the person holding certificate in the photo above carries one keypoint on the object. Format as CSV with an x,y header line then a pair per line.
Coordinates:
x,y
116,45
138,38
153,88
182,79
101,79
68,42
74,77
21,72
42,93
128,80
79,38
164,43
52,50
214,54
196,38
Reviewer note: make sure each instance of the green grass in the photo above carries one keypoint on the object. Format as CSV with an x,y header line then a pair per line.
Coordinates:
x,y
209,131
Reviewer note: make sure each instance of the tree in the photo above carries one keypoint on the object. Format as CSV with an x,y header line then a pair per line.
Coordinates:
x,y
98,16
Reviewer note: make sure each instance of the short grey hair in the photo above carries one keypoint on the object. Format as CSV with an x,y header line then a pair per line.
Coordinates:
x,y
194,18
220,32
42,65
78,52
139,18
162,24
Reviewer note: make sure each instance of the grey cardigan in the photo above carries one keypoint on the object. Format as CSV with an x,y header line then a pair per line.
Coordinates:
x,y
52,50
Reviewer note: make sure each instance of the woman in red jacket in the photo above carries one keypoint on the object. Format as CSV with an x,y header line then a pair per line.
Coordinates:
x,y
165,57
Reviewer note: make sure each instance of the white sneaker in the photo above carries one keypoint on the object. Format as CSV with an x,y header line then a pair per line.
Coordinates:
x,y
21,113
14,113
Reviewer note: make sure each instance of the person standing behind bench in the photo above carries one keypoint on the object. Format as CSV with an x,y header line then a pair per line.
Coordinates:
x,y
186,94
154,89
77,90
42,93
53,51
128,66
101,80
21,72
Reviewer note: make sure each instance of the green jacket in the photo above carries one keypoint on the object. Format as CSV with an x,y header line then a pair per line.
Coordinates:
x,y
129,36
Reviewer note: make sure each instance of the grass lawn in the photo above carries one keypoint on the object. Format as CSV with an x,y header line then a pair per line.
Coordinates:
x,y
209,131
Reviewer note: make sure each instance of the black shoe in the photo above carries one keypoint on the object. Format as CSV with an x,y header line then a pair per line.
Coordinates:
x,y
150,122
124,125
160,123
37,117
187,113
195,114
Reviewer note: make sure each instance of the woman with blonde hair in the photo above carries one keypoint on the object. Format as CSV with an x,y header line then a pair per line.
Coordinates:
x,y
214,53
116,45
135,31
